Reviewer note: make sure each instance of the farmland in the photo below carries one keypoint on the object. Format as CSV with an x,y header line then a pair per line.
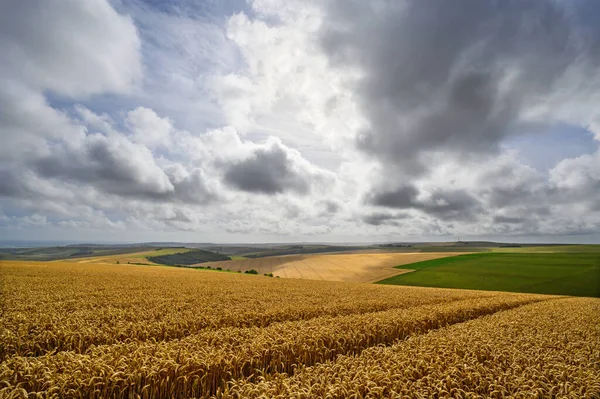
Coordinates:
x,y
77,252
564,273
98,330
188,258
139,257
357,267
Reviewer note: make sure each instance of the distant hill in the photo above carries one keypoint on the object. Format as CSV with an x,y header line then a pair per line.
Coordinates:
x,y
67,252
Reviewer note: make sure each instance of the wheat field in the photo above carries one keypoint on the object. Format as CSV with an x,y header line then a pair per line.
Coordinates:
x,y
85,330
136,258
364,267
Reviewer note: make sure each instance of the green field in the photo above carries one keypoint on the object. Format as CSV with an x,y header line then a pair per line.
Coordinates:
x,y
576,274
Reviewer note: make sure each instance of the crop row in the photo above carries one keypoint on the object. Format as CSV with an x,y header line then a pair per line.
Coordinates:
x,y
55,307
200,365
544,350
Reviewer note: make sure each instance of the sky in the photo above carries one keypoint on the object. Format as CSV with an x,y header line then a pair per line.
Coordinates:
x,y
300,120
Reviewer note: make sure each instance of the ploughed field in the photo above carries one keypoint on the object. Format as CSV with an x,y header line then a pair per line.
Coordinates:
x,y
81,330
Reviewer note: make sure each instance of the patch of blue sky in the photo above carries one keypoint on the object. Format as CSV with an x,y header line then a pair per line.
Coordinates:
x,y
543,147
196,8
183,45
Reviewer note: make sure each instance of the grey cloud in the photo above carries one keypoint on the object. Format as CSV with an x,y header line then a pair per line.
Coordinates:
x,y
331,206
192,189
502,197
441,203
402,197
508,219
452,76
509,184
115,165
384,218
443,82
71,47
452,205
267,170
10,184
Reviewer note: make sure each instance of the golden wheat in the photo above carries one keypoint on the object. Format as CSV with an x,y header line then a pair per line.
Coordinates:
x,y
214,357
544,350
68,306
354,267
91,331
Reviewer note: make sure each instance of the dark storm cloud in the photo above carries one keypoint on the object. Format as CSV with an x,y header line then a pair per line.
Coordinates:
x,y
441,203
454,76
268,171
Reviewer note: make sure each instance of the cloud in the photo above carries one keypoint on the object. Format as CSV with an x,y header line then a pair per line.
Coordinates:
x,y
384,218
72,48
10,184
578,175
112,163
69,49
280,120
402,197
329,207
27,121
148,128
190,186
445,204
272,169
508,219
458,78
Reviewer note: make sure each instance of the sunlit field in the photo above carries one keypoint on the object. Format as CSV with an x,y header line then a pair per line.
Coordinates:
x,y
359,267
80,330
